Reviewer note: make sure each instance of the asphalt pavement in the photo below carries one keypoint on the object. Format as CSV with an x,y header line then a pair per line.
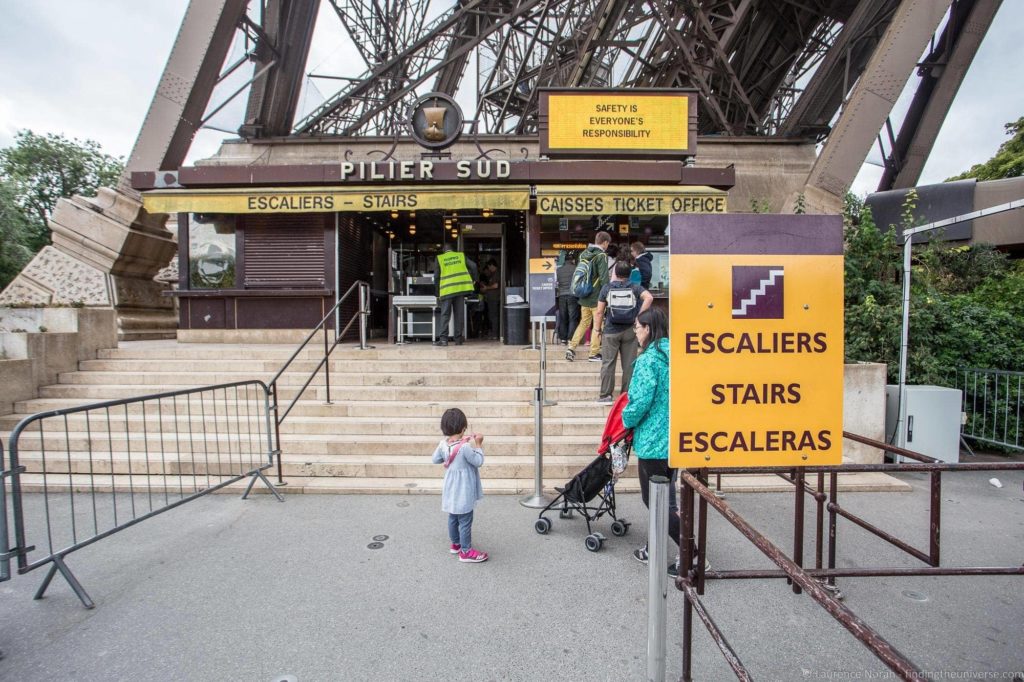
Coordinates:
x,y
226,589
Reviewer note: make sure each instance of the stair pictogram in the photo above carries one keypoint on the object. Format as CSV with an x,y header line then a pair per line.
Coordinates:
x,y
757,291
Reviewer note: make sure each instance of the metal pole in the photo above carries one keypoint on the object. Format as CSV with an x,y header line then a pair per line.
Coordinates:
x,y
5,557
901,435
657,587
364,313
327,367
277,436
537,500
544,365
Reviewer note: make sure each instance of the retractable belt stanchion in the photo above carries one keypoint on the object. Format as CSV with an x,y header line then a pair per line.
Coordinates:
x,y
544,366
538,500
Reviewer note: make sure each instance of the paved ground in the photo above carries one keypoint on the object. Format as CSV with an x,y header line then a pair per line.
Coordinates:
x,y
224,589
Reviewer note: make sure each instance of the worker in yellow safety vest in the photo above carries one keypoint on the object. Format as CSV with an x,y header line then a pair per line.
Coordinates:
x,y
455,278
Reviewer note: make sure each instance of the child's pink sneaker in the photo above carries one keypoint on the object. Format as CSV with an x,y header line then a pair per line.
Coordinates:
x,y
472,556
455,548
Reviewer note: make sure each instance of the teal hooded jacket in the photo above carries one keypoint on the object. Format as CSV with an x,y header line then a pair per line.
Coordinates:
x,y
647,410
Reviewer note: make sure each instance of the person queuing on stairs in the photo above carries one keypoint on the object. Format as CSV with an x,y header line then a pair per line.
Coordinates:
x,y
597,265
568,306
644,261
618,304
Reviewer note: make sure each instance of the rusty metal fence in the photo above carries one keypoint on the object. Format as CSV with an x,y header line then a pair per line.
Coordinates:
x,y
104,467
991,406
818,582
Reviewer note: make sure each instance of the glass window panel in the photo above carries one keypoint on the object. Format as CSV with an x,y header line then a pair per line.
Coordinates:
x,y
211,251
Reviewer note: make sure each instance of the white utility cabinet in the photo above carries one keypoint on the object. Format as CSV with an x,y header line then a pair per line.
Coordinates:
x,y
933,420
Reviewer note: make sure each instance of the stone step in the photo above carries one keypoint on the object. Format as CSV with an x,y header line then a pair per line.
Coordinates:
x,y
292,444
372,466
265,367
420,426
731,484
418,394
359,408
315,351
340,379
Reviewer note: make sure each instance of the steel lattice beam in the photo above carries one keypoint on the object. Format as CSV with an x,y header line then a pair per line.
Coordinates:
x,y
283,44
942,72
377,91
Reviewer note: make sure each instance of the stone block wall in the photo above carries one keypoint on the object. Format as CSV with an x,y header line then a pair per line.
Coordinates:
x,y
863,410
32,358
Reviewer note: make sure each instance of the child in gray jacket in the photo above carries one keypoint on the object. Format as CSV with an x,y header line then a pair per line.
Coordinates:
x,y
462,457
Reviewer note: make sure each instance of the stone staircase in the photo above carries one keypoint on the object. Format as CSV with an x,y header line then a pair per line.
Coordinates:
x,y
375,436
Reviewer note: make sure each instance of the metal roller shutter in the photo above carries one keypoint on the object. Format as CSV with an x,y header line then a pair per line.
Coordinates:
x,y
284,252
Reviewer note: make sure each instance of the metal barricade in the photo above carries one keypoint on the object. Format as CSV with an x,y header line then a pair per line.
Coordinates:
x,y
991,406
818,582
104,467
5,546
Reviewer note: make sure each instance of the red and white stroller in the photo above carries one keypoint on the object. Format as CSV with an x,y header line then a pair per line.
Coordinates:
x,y
597,479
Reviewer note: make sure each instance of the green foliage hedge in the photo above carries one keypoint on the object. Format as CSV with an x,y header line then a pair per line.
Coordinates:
x,y
967,303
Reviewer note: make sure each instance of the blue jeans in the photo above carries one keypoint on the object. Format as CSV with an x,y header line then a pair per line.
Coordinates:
x,y
460,530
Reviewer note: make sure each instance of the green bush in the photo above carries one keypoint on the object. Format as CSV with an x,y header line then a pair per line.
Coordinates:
x,y
966,310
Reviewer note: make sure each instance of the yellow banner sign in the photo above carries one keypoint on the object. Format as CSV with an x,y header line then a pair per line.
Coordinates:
x,y
618,121
320,200
756,328
629,200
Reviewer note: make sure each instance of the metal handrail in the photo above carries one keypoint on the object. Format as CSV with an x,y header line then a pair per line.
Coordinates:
x,y
819,581
362,290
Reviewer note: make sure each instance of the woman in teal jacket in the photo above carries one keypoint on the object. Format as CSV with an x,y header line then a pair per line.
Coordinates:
x,y
647,411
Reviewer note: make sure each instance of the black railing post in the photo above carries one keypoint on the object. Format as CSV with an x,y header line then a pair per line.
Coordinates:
x,y
819,499
798,523
277,434
833,494
686,566
936,518
327,367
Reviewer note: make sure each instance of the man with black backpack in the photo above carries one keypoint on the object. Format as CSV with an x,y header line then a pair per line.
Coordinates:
x,y
619,302
590,275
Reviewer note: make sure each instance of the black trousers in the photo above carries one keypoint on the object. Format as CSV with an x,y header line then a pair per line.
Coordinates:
x,y
568,316
659,467
493,302
456,302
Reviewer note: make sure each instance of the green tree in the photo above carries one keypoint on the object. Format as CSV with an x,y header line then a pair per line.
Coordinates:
x,y
1008,162
14,231
43,168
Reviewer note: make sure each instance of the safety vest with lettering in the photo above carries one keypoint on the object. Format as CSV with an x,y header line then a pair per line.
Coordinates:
x,y
454,278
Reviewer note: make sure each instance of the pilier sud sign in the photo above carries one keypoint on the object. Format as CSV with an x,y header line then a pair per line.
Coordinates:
x,y
756,340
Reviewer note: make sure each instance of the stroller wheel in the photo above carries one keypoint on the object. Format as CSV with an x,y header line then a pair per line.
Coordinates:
x,y
619,528
542,525
565,514
594,542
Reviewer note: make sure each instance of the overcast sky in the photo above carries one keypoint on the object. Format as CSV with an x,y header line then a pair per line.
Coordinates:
x,y
89,70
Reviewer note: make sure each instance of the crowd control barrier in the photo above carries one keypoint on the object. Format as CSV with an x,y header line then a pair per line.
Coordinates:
x,y
104,467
